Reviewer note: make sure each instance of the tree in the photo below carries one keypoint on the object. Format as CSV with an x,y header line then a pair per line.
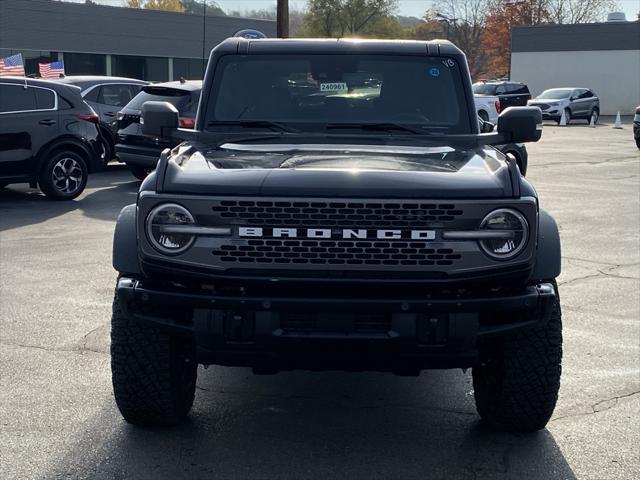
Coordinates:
x,y
340,18
496,38
197,7
166,5
429,29
262,14
411,22
579,11
463,23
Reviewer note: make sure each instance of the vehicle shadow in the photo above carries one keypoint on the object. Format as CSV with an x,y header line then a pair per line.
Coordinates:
x,y
317,425
106,193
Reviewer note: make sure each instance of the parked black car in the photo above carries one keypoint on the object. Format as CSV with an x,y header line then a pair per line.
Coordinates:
x,y
107,96
636,127
48,137
511,94
353,226
141,153
517,150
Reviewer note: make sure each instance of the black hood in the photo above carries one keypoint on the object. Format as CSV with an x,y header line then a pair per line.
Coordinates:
x,y
342,171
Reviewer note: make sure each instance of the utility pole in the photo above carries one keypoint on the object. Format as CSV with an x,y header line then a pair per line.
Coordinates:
x,y
204,37
282,19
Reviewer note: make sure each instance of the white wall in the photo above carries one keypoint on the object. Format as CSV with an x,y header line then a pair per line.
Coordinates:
x,y
613,74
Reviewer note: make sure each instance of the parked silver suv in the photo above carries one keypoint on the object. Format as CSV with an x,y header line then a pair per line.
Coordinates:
x,y
106,95
575,102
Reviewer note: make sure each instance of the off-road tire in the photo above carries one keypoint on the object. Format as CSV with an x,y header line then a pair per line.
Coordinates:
x,y
153,373
517,379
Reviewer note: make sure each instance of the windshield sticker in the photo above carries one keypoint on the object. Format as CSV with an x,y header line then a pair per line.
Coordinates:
x,y
448,62
434,72
340,87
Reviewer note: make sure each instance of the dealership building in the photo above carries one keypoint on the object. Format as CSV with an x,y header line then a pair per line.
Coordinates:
x,y
103,40
604,57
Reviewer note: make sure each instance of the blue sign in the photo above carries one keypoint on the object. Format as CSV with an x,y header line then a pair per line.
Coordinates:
x,y
434,72
249,33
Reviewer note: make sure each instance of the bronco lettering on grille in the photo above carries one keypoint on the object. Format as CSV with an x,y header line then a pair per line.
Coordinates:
x,y
344,233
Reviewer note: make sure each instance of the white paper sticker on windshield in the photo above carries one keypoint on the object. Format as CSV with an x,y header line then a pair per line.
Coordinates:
x,y
334,87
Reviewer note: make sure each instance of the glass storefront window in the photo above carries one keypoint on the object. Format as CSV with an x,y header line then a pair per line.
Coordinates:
x,y
188,68
127,66
85,64
154,69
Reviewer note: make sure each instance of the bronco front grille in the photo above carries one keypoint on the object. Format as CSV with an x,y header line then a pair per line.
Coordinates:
x,y
336,252
335,214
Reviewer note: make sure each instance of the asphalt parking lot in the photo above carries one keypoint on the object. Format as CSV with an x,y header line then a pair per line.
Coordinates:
x,y
58,418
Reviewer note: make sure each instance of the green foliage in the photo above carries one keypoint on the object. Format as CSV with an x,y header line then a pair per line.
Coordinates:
x,y
340,18
197,7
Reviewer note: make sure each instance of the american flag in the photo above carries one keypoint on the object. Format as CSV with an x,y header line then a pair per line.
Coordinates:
x,y
51,70
12,66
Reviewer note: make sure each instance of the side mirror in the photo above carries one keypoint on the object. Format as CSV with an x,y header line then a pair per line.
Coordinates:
x,y
520,124
159,119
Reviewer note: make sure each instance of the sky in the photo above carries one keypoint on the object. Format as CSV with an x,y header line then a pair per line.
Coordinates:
x,y
415,8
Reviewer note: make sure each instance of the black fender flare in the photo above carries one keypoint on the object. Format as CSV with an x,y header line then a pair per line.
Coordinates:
x,y
71,143
125,242
548,254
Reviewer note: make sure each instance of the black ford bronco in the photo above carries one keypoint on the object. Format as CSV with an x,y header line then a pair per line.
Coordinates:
x,y
336,207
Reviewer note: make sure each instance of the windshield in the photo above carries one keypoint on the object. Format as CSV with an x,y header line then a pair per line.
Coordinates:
x,y
484,89
556,93
315,92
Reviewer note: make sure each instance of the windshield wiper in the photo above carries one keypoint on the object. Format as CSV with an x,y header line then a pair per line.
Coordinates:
x,y
383,126
253,124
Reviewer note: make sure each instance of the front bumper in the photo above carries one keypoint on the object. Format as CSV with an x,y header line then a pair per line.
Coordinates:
x,y
551,114
322,333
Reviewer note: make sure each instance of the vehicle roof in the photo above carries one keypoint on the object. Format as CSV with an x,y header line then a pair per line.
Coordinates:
x,y
339,46
498,82
567,88
39,82
189,85
97,79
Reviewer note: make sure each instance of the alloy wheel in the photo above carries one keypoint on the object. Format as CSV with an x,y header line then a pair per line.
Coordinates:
x,y
66,175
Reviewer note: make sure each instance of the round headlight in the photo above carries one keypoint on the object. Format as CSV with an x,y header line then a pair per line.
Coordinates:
x,y
164,228
515,231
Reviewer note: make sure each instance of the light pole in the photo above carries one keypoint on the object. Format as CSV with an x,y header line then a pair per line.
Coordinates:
x,y
448,22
